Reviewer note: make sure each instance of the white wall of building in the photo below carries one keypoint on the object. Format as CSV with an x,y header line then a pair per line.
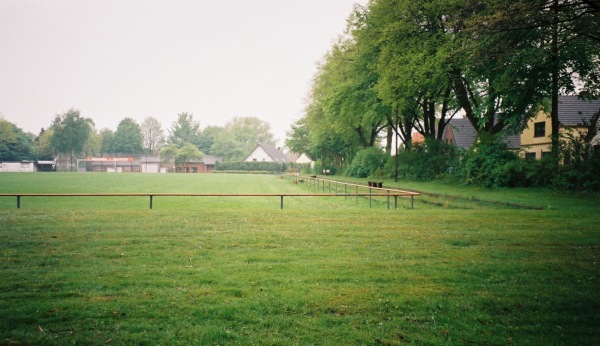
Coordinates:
x,y
17,167
259,155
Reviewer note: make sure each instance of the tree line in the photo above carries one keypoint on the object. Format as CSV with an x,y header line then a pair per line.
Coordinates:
x,y
75,136
405,66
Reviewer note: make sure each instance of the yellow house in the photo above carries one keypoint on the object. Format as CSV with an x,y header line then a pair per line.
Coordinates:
x,y
574,116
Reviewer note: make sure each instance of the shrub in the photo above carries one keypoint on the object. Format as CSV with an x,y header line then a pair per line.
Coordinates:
x,y
427,160
581,166
259,166
490,163
366,162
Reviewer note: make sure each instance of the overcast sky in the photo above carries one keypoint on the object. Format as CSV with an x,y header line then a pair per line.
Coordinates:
x,y
113,59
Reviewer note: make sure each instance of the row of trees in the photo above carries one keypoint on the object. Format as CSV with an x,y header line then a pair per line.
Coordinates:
x,y
74,136
405,66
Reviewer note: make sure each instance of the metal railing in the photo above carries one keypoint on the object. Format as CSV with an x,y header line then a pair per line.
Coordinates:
x,y
151,196
373,191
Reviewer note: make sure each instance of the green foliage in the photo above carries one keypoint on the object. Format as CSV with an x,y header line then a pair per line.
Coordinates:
x,y
71,132
15,145
106,141
181,156
298,139
184,130
428,160
366,162
42,148
581,165
483,162
238,137
128,138
259,166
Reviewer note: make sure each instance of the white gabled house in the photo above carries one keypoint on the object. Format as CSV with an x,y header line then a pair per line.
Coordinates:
x,y
266,153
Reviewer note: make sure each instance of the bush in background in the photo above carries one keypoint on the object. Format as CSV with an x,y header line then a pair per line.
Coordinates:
x,y
366,162
428,160
259,166
580,170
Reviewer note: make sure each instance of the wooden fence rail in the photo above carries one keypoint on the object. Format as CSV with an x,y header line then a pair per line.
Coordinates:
x,y
373,191
152,195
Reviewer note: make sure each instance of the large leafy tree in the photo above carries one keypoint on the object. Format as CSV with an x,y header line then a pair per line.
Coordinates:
x,y
71,132
93,146
106,141
185,130
208,137
128,138
15,145
410,37
344,88
153,134
552,45
239,136
297,139
181,156
42,147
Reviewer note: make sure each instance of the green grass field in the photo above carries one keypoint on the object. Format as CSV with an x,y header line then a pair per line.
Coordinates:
x,y
465,267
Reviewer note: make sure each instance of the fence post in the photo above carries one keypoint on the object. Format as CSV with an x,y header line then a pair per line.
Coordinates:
x,y
370,196
150,201
388,199
281,201
18,202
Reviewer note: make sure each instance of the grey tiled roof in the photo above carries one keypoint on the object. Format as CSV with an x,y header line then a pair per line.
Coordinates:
x,y
464,132
573,111
276,154
211,160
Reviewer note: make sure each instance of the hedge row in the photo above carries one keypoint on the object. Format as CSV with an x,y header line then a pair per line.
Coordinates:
x,y
259,166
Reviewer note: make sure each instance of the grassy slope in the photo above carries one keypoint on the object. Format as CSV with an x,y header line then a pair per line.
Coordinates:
x,y
322,271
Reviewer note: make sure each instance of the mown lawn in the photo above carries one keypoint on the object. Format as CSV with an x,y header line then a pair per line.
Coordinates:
x,y
321,271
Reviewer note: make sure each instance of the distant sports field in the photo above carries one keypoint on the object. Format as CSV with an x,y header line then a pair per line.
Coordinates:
x,y
466,266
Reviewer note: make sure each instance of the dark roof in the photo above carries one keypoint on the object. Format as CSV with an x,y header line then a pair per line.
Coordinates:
x,y
464,132
513,141
274,153
573,111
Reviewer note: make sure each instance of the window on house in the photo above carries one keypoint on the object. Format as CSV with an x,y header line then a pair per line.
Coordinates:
x,y
539,129
530,156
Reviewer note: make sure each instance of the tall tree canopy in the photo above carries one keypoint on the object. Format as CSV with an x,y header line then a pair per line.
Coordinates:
x,y
153,135
71,132
15,145
128,138
106,141
239,136
42,147
181,156
553,45
419,63
185,130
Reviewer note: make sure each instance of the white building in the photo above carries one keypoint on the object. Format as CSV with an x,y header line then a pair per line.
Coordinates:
x,y
266,153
